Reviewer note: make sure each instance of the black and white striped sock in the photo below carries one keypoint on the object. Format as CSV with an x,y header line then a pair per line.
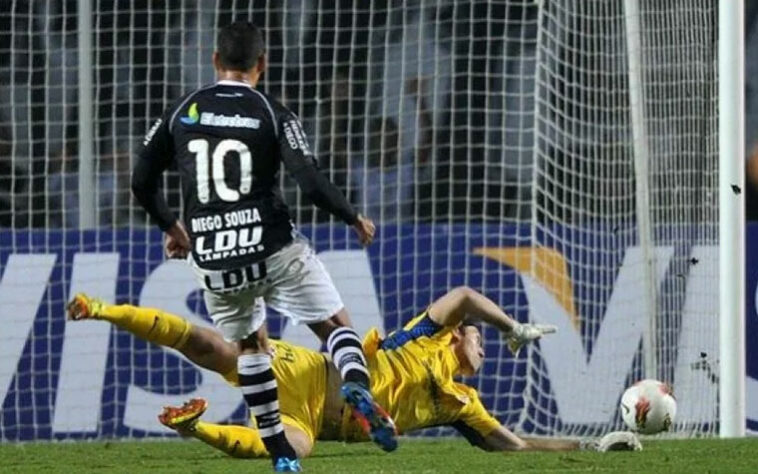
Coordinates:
x,y
256,379
347,353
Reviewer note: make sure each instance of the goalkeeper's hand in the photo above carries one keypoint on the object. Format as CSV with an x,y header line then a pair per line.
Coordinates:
x,y
523,334
177,242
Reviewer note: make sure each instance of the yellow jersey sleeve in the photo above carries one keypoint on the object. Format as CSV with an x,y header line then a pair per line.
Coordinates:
x,y
473,421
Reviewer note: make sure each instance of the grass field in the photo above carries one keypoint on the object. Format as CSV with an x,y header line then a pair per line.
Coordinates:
x,y
447,455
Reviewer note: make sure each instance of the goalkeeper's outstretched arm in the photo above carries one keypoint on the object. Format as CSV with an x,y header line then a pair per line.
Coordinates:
x,y
464,304
503,439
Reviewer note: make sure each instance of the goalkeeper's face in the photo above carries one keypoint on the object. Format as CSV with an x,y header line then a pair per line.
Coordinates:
x,y
467,346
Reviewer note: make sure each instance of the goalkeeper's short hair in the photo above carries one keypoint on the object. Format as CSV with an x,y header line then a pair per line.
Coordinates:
x,y
239,45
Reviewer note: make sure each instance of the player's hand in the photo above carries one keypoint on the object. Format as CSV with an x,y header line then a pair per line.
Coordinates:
x,y
365,229
525,333
177,242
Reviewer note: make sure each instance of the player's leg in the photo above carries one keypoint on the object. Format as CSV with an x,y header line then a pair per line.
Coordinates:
x,y
344,347
304,292
208,349
204,347
240,318
346,351
234,440
150,324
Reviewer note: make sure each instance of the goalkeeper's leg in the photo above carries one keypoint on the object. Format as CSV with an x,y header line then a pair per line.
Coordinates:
x,y
234,440
204,347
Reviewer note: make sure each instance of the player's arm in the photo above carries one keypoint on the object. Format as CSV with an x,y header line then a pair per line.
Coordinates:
x,y
484,431
464,304
154,158
301,164
152,161
503,439
480,428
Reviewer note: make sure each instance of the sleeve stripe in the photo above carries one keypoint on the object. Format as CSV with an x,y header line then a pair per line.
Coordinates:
x,y
425,326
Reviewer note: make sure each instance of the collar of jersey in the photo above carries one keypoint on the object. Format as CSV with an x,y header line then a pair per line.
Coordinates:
x,y
229,82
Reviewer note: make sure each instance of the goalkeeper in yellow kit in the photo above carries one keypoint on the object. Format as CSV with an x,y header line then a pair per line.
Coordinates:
x,y
412,375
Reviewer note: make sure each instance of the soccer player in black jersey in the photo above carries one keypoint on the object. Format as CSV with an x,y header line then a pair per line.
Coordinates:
x,y
228,140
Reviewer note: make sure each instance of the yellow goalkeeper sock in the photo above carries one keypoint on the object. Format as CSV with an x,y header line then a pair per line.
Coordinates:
x,y
150,324
236,441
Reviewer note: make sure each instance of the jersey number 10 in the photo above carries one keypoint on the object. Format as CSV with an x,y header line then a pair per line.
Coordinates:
x,y
200,148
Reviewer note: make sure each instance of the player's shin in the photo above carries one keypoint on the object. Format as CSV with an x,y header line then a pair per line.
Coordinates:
x,y
258,384
346,351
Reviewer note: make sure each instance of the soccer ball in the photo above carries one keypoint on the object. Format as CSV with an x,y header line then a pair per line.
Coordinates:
x,y
648,407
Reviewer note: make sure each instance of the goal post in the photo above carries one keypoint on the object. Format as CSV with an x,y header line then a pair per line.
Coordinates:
x,y
732,218
87,209
641,176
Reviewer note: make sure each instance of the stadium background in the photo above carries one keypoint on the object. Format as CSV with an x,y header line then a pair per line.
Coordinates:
x,y
435,119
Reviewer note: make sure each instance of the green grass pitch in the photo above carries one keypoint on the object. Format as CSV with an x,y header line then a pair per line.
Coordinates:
x,y
413,456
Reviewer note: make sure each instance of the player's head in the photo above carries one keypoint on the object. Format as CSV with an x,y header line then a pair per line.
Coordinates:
x,y
467,347
240,48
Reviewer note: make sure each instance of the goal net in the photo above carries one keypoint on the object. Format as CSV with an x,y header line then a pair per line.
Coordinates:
x,y
560,156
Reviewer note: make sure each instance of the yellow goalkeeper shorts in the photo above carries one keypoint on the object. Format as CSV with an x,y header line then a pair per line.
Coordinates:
x,y
301,380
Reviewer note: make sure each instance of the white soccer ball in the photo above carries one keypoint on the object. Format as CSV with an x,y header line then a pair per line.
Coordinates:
x,y
648,407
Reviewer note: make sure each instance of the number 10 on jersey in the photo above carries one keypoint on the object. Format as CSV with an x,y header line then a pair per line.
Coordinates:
x,y
200,147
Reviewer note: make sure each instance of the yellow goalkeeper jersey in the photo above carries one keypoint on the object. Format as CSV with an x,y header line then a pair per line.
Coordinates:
x,y
412,374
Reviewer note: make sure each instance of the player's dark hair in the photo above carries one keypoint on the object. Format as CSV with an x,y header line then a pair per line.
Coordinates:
x,y
239,45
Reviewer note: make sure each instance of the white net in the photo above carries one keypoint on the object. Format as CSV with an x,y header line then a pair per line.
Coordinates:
x,y
494,144
630,203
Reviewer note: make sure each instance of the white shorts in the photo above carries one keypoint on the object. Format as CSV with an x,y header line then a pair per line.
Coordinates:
x,y
293,281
